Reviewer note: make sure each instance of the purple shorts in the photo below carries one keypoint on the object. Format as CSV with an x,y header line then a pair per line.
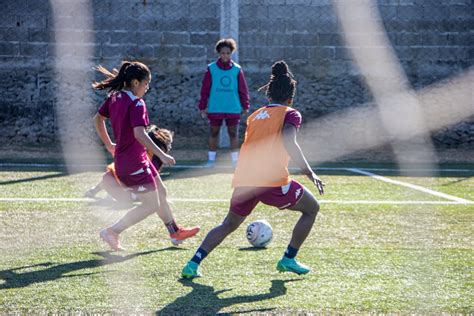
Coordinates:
x,y
244,199
216,119
140,181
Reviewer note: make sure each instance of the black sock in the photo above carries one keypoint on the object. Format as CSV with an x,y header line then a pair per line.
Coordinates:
x,y
199,255
291,252
172,227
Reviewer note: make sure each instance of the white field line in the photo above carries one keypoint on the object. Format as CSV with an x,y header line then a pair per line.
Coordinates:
x,y
411,186
227,200
178,166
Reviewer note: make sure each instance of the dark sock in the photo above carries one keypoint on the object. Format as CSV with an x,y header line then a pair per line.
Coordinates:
x,y
172,227
291,252
199,255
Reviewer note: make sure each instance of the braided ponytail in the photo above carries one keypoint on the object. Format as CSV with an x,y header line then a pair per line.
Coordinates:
x,y
282,86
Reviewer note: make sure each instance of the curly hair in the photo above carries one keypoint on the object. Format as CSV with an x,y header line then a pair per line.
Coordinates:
x,y
226,42
162,137
282,85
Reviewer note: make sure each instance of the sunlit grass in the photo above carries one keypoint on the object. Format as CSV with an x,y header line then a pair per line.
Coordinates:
x,y
365,258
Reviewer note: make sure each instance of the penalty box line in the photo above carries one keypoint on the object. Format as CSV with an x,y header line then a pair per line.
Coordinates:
x,y
411,186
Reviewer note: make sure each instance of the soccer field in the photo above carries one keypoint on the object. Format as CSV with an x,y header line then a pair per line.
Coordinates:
x,y
384,241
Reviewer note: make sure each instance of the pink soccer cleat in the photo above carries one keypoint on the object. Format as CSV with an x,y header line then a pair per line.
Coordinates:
x,y
184,233
112,238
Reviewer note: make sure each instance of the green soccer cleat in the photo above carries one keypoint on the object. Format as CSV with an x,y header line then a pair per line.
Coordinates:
x,y
191,270
291,265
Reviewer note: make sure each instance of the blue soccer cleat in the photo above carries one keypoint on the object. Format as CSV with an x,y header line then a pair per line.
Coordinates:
x,y
191,270
291,265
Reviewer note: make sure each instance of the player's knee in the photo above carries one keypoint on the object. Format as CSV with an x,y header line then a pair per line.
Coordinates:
x,y
229,225
214,133
316,207
312,207
162,191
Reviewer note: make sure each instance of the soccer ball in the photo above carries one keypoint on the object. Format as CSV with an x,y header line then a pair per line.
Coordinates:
x,y
259,233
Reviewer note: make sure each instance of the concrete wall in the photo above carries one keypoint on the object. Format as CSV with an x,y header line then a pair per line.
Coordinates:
x,y
432,39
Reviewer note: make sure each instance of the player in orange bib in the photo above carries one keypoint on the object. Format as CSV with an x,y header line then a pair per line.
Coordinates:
x,y
110,182
262,173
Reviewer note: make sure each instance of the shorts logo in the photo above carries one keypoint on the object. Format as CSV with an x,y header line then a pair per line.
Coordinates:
x,y
198,254
261,116
141,188
297,193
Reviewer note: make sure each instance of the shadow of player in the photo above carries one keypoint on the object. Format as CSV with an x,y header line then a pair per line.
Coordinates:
x,y
14,279
203,299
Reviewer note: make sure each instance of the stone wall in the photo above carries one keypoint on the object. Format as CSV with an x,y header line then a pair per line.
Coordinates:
x,y
432,39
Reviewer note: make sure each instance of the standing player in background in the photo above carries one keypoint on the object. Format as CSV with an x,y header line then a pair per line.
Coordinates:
x,y
110,182
129,118
262,173
224,96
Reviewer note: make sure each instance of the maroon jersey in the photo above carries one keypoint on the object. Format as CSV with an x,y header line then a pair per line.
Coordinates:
x,y
125,112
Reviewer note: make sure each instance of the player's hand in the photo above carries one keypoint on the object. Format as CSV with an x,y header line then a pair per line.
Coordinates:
x,y
111,149
167,160
318,183
203,113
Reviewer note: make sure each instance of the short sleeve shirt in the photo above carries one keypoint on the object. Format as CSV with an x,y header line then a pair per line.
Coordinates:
x,y
125,112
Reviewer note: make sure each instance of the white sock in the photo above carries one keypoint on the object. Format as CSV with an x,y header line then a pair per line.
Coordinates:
x,y
212,155
234,155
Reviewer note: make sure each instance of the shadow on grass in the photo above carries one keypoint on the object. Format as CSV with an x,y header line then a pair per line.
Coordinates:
x,y
49,176
204,300
252,248
14,279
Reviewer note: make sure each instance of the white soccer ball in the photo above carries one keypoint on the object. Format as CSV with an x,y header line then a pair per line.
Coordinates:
x,y
259,233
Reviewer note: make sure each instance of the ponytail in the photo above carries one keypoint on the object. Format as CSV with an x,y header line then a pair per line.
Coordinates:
x,y
282,85
117,79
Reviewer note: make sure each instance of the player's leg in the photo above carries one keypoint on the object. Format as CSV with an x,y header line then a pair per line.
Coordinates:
x,y
309,207
92,192
214,137
150,204
215,122
212,240
242,203
234,142
115,190
177,233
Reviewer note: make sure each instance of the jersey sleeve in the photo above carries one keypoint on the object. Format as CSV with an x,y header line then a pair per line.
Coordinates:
x,y
104,108
293,117
138,114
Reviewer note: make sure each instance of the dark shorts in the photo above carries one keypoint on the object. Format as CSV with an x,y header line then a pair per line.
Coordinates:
x,y
140,181
244,199
216,119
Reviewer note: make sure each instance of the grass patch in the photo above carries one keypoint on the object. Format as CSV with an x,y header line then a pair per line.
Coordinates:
x,y
378,258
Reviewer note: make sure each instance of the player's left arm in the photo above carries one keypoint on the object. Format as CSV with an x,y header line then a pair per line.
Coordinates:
x,y
296,154
243,93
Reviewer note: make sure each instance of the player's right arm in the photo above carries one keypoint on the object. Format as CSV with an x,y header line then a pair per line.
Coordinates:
x,y
205,93
296,154
99,122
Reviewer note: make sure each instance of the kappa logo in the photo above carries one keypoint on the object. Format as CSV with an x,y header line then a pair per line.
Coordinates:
x,y
141,188
140,103
297,193
261,116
